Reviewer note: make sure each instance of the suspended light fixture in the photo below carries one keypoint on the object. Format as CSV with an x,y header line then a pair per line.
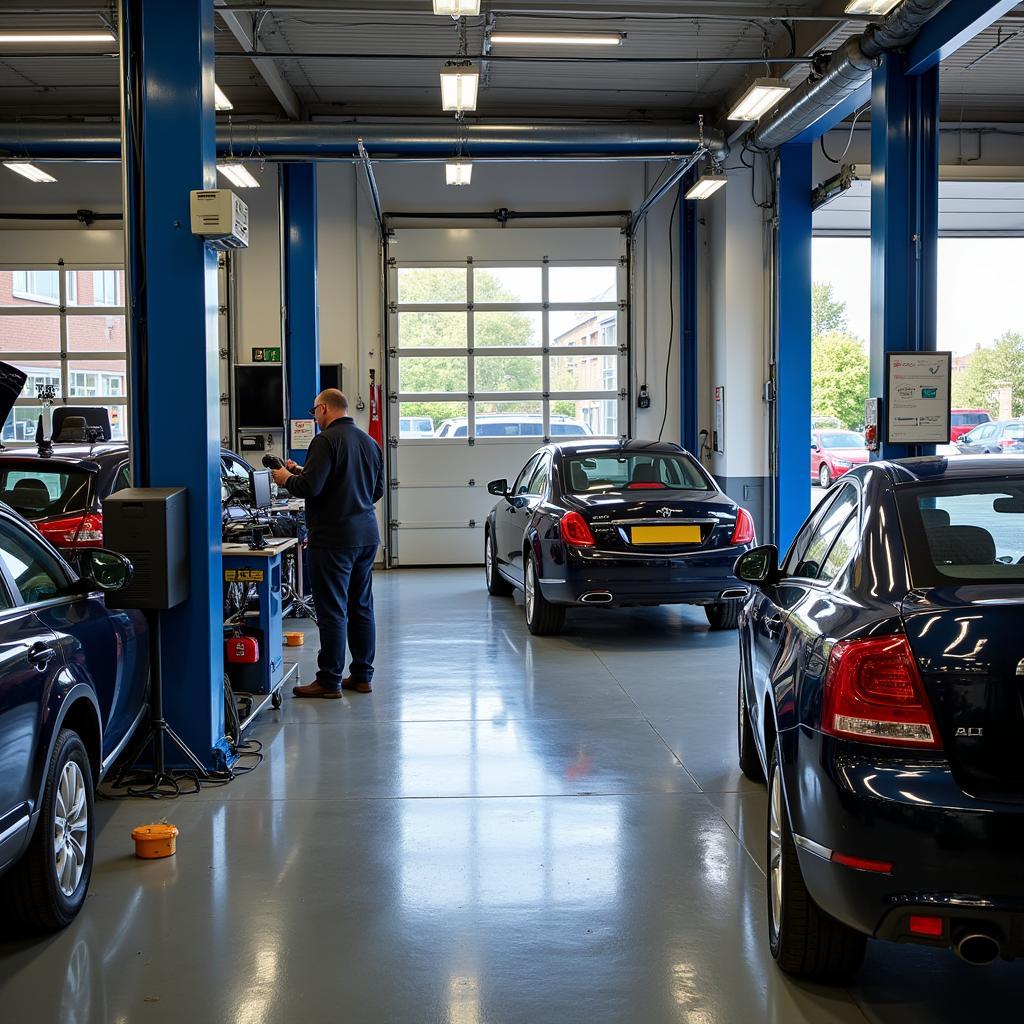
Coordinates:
x,y
460,84
457,8
555,39
30,171
220,100
238,175
871,6
56,37
707,185
760,97
458,172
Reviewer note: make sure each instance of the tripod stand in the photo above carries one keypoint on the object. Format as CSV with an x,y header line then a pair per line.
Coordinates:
x,y
302,607
158,781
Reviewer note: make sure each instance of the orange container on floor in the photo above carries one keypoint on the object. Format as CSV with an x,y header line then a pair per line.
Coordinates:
x,y
155,841
294,639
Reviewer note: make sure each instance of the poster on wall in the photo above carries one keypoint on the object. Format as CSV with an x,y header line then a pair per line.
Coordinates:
x,y
918,397
718,439
302,434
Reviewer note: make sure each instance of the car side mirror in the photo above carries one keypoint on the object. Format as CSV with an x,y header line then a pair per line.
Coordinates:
x,y
759,566
106,570
499,488
814,447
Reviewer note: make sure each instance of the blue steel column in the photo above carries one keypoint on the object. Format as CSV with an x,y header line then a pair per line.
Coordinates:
x,y
169,119
904,220
793,359
689,311
301,294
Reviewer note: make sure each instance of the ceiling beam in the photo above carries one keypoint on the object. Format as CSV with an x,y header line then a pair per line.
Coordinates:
x,y
953,27
268,69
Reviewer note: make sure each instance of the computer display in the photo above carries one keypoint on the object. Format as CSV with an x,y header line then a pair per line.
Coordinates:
x,y
259,482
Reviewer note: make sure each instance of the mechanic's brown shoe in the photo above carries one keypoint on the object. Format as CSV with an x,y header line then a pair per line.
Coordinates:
x,y
348,684
314,689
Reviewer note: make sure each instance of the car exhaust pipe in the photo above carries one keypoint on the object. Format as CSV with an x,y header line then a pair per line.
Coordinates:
x,y
733,594
596,597
978,948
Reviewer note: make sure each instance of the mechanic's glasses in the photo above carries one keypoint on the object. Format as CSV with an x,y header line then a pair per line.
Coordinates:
x,y
312,412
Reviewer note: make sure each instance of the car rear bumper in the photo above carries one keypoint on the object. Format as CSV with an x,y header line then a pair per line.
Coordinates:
x,y
701,578
952,856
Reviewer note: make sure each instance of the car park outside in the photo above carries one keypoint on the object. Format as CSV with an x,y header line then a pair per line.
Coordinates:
x,y
1003,437
835,452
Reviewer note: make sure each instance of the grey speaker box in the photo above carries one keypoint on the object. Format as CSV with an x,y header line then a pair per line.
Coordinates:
x,y
149,526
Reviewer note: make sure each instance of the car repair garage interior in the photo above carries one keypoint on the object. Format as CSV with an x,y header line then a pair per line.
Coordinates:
x,y
671,718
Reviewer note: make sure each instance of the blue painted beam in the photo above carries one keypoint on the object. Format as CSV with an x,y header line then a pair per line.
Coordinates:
x,y
904,220
689,311
793,366
301,293
953,27
835,116
175,341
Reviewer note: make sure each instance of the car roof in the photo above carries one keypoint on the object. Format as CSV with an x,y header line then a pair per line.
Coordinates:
x,y
68,454
634,446
928,469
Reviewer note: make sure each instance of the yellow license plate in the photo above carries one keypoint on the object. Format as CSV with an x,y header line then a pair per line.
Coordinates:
x,y
665,535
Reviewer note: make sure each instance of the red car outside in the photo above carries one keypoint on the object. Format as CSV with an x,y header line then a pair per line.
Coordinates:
x,y
835,452
963,421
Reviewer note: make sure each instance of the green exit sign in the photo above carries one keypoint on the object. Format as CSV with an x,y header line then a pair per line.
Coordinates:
x,y
266,355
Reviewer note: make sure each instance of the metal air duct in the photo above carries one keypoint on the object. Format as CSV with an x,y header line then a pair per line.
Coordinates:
x,y
847,71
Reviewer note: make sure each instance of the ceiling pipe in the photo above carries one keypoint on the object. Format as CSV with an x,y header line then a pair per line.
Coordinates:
x,y
848,70
283,141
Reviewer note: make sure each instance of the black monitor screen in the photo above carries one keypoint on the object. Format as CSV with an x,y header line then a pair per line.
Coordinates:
x,y
259,482
259,396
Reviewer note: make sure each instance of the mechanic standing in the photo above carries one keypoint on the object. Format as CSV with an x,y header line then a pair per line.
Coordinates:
x,y
342,480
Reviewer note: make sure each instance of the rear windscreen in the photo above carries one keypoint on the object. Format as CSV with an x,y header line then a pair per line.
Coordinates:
x,y
618,472
966,532
969,419
39,491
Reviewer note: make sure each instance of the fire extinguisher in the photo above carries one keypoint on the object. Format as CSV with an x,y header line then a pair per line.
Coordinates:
x,y
376,422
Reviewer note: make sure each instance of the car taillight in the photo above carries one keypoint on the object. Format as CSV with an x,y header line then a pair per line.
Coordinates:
x,y
1008,442
744,532
575,531
875,694
85,531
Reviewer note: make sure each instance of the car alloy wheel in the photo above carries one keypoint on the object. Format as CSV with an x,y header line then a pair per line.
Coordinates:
x,y
531,591
489,560
824,476
70,828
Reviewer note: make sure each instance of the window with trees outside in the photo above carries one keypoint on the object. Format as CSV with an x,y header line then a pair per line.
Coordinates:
x,y
481,350
64,326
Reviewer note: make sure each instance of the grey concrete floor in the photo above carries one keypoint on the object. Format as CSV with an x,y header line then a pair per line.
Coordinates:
x,y
508,830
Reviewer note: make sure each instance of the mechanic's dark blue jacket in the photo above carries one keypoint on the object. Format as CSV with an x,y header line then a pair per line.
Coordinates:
x,y
342,479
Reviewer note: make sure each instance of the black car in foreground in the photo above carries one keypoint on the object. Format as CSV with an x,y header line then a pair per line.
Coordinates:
x,y
74,680
881,693
615,523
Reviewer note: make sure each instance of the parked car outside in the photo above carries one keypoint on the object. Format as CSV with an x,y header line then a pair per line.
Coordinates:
x,y
615,524
415,426
835,452
514,426
1001,437
73,688
879,694
963,421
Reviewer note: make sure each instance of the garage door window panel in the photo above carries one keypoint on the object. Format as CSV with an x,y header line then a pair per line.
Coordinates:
x,y
583,283
508,285
508,329
433,285
498,374
433,329
101,332
433,376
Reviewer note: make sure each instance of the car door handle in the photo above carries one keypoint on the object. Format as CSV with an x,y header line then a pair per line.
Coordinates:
x,y
40,655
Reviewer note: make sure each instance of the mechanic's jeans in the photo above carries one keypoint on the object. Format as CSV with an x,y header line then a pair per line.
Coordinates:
x,y
342,584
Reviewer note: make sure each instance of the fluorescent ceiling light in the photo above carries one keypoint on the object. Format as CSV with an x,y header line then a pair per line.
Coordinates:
x,y
458,172
707,185
459,88
457,8
220,101
56,37
759,98
238,175
565,39
871,6
27,170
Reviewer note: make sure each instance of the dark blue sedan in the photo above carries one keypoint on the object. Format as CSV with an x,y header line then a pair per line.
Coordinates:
x,y
616,524
881,693
74,679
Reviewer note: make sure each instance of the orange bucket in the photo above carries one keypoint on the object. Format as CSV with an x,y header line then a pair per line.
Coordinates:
x,y
155,841
294,639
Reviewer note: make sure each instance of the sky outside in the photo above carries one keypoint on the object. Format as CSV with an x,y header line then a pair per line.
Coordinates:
x,y
981,286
